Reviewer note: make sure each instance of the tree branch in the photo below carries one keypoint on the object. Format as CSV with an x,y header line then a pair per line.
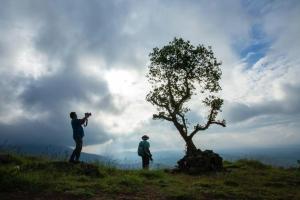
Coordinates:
x,y
161,116
208,123
179,127
187,93
172,100
183,121
162,105
221,123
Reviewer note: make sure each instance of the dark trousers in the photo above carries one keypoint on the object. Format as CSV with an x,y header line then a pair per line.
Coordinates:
x,y
146,161
77,150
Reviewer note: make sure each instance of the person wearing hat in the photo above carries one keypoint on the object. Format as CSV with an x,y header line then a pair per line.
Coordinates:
x,y
144,152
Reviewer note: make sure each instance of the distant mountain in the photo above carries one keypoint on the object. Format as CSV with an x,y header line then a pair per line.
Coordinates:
x,y
284,156
162,159
53,152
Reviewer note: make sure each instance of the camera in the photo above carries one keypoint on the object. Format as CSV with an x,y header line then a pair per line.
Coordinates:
x,y
87,114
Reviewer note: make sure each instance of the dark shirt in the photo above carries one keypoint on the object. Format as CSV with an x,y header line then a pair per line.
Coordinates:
x,y
144,149
77,128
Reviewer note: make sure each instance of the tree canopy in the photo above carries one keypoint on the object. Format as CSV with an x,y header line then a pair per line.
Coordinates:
x,y
178,71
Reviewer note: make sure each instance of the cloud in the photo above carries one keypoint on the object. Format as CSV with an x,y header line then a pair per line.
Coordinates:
x,y
289,105
44,99
45,103
270,135
62,56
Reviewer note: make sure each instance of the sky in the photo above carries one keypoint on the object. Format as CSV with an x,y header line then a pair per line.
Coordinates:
x,y
93,56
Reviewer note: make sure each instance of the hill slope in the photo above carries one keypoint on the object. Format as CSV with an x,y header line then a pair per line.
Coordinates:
x,y
24,177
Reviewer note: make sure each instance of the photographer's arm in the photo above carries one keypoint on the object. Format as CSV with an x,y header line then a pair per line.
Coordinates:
x,y
82,121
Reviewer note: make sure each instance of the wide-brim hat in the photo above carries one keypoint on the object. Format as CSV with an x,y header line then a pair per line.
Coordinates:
x,y
145,137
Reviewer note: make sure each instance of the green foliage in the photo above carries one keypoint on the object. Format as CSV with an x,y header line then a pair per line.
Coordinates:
x,y
178,71
86,192
181,196
130,181
152,174
252,164
244,179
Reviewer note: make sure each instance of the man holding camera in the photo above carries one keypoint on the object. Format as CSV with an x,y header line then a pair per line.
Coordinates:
x,y
78,134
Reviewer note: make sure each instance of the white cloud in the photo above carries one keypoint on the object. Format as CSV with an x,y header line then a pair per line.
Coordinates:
x,y
105,46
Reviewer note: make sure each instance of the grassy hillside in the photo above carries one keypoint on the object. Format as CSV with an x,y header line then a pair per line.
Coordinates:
x,y
39,178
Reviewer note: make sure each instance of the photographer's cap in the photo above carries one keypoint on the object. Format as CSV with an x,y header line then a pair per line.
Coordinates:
x,y
145,137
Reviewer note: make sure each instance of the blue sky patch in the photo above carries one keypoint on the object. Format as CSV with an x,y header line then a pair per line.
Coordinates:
x,y
256,48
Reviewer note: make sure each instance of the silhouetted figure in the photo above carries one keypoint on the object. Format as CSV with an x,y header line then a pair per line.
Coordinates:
x,y
78,134
144,151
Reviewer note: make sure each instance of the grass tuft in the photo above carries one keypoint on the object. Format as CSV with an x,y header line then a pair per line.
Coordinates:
x,y
254,164
246,179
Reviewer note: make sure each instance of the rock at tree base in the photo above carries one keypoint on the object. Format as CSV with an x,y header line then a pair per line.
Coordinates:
x,y
199,162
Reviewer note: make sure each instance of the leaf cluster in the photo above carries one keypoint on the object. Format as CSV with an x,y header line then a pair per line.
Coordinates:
x,y
178,71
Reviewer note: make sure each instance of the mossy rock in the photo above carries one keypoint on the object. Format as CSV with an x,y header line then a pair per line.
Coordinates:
x,y
200,162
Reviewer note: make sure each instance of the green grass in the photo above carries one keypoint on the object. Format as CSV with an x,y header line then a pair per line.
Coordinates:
x,y
43,178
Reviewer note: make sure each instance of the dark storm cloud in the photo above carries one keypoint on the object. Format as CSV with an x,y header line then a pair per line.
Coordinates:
x,y
93,28
9,94
237,112
53,95
52,131
65,31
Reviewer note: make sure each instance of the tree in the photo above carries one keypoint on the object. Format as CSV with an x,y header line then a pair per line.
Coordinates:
x,y
176,73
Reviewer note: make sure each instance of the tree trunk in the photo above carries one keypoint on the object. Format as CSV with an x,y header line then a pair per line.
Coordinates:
x,y
190,146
